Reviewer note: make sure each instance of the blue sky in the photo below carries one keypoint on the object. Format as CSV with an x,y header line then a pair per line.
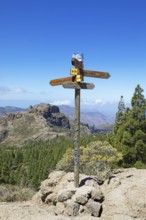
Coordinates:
x,y
38,38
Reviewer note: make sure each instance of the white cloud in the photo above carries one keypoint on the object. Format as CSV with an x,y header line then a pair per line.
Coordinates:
x,y
5,90
61,102
93,102
19,90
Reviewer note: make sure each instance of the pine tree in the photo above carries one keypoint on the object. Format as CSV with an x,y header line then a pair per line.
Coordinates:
x,y
138,104
130,129
119,115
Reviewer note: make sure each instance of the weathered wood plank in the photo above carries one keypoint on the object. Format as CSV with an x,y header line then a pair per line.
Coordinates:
x,y
57,82
95,74
77,138
75,85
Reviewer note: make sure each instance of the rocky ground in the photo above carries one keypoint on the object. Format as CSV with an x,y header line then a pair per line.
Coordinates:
x,y
31,211
121,197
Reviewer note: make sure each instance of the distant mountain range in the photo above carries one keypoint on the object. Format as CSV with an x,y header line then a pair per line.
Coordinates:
x,y
7,109
95,118
92,118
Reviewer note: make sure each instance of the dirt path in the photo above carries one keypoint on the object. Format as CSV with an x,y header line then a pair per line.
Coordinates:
x,y
31,211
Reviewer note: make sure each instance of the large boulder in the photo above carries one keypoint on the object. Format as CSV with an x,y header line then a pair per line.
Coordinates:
x,y
125,197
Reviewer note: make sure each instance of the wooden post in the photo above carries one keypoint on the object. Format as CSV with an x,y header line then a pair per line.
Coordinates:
x,y
77,138
76,82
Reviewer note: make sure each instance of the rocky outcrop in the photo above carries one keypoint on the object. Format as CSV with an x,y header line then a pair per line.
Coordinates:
x,y
121,196
40,122
52,114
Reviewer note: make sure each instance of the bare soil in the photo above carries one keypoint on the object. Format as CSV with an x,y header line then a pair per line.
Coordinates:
x,y
30,211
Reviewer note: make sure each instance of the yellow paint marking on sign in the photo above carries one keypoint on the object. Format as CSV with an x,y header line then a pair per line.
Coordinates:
x,y
74,71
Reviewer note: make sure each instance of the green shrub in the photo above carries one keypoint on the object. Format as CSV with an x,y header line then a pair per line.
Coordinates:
x,y
140,165
97,158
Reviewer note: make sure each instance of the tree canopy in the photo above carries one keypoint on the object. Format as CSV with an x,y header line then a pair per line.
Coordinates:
x,y
129,133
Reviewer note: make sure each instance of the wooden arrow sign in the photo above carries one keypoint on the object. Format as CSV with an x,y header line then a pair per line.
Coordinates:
x,y
75,85
78,72
95,74
57,82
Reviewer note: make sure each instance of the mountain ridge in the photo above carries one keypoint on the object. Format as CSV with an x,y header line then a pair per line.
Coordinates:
x,y
92,118
7,109
40,122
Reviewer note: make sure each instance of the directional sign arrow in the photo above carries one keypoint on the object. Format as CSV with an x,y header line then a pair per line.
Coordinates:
x,y
57,82
95,74
75,85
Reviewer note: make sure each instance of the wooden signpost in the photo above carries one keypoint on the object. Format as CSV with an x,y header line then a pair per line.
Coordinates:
x,y
76,82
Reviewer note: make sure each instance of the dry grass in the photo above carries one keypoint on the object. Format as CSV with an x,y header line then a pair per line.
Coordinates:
x,y
10,193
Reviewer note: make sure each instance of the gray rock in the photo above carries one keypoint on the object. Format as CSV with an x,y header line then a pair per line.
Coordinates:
x,y
94,207
45,187
65,194
51,199
83,194
97,195
59,208
55,177
71,208
84,211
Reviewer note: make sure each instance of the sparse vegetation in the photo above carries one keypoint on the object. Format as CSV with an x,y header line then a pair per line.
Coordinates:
x,y
11,193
